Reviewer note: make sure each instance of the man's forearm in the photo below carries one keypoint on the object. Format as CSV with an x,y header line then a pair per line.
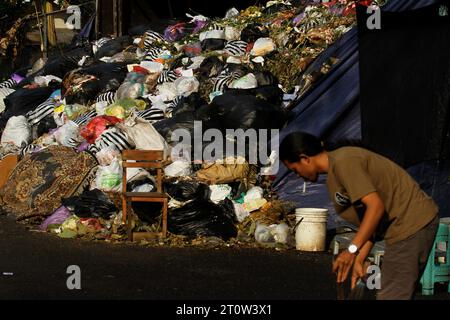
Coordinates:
x,y
372,216
364,251
367,228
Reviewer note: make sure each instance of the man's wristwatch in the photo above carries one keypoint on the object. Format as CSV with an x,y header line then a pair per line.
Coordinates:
x,y
353,248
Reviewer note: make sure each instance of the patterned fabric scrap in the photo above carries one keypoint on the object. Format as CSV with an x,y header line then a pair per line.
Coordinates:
x,y
37,184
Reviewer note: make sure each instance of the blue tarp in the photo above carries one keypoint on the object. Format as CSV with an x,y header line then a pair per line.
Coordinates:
x,y
331,110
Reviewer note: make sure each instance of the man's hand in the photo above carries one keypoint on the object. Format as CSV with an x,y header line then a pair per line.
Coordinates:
x,y
342,265
359,271
360,266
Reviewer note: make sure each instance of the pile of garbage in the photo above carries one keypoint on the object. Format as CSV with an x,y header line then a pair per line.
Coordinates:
x,y
70,117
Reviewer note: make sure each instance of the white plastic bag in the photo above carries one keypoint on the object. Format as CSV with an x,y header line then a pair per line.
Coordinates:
x,y
147,187
280,232
253,205
106,155
246,82
109,178
187,73
100,107
186,85
263,234
17,131
232,13
196,62
59,115
134,174
157,102
232,33
275,233
130,90
258,60
272,167
43,81
144,135
240,212
4,92
212,34
152,66
234,60
219,192
168,91
178,168
67,134
253,194
262,47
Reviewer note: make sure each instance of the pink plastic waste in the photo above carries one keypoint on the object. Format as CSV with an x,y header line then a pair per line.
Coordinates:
x,y
96,126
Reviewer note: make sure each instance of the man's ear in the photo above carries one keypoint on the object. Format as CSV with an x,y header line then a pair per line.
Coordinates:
x,y
304,158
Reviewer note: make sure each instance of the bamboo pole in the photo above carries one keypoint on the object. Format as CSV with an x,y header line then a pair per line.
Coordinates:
x,y
40,28
97,18
115,22
120,17
45,53
50,24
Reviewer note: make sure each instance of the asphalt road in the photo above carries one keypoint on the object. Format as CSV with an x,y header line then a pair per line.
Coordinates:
x,y
34,266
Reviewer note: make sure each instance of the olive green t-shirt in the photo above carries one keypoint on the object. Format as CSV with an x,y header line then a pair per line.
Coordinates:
x,y
355,172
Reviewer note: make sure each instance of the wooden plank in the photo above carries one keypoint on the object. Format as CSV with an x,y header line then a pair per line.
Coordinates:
x,y
143,155
142,164
146,194
164,219
159,180
146,199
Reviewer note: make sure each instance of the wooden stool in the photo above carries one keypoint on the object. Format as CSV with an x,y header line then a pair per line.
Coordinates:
x,y
146,159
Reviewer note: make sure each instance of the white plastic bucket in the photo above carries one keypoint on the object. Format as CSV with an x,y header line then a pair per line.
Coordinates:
x,y
310,233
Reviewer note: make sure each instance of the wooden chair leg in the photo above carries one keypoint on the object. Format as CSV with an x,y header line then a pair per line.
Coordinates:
x,y
124,209
164,219
129,218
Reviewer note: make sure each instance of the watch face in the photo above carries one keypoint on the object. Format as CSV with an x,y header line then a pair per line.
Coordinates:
x,y
352,248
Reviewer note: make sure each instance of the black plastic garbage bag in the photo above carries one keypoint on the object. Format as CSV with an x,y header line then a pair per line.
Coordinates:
x,y
181,190
213,44
185,121
21,101
84,85
271,93
113,46
187,190
210,67
60,64
44,126
265,78
204,218
189,104
182,120
92,203
234,110
137,183
253,32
